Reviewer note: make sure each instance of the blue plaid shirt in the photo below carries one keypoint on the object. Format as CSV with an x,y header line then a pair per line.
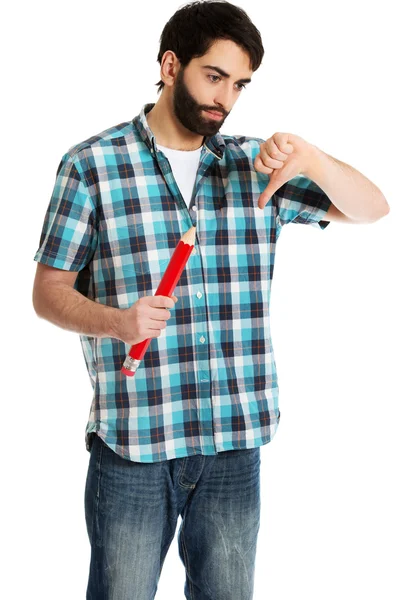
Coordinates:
x,y
209,382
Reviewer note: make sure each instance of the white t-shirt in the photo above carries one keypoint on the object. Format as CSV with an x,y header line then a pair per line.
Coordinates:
x,y
184,165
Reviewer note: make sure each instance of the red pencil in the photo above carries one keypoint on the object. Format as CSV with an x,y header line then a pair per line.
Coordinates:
x,y
165,288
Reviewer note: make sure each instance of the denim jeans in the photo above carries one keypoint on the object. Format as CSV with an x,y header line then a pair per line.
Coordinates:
x,y
132,508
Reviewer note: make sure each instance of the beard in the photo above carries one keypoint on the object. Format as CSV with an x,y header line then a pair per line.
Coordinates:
x,y
189,112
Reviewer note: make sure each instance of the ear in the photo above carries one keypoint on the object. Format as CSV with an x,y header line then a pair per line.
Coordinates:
x,y
170,65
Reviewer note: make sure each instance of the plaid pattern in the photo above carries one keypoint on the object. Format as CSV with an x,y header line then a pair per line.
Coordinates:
x,y
208,383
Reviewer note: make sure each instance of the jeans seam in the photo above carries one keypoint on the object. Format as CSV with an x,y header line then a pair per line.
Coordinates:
x,y
185,553
96,508
181,469
99,468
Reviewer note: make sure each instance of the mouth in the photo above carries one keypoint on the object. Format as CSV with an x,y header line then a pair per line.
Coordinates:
x,y
217,116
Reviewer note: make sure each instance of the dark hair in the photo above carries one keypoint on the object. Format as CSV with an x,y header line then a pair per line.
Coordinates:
x,y
193,29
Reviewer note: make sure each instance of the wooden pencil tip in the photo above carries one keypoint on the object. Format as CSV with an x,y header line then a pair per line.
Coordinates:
x,y
189,237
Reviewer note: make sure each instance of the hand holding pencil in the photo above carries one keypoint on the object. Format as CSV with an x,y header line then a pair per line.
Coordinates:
x,y
145,319
165,288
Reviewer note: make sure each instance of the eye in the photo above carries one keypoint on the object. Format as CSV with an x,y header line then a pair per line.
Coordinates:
x,y
218,78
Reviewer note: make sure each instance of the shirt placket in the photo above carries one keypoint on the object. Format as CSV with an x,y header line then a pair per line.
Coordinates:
x,y
204,395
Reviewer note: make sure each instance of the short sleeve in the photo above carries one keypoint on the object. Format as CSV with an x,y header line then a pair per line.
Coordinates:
x,y
301,200
69,234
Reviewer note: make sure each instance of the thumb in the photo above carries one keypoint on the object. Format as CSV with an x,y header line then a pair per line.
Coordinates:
x,y
265,196
276,180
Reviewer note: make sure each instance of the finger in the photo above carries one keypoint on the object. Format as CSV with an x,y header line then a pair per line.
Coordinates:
x,y
268,161
259,166
286,148
272,164
160,315
162,302
274,151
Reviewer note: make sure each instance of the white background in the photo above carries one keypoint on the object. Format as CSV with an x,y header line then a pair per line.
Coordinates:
x,y
330,497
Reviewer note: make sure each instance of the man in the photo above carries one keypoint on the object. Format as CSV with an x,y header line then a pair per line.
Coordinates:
x,y
182,437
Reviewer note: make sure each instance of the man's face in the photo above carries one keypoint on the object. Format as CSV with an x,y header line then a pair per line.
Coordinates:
x,y
199,88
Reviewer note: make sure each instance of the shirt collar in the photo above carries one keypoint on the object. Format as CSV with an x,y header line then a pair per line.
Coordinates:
x,y
214,143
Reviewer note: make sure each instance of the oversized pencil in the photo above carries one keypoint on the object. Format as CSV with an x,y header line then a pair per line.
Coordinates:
x,y
165,288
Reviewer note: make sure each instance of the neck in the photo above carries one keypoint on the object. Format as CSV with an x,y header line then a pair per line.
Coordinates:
x,y
168,131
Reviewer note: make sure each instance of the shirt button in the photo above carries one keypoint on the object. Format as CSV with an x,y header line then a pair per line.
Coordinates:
x,y
194,207
199,295
202,339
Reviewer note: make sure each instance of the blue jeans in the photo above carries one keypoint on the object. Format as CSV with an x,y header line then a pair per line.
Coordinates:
x,y
132,508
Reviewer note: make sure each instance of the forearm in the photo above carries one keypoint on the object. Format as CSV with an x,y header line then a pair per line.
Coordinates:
x,y
349,190
64,306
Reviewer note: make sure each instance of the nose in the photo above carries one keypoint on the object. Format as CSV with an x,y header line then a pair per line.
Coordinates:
x,y
223,98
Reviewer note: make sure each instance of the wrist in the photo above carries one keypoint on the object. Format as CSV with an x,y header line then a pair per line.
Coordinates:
x,y
115,323
313,162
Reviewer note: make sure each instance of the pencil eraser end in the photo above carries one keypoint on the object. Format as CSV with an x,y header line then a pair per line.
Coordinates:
x,y
127,372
